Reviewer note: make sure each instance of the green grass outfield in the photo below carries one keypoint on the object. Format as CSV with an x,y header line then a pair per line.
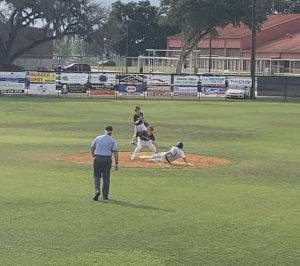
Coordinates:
x,y
245,213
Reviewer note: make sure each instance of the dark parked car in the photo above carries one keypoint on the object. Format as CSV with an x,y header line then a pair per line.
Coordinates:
x,y
77,68
107,63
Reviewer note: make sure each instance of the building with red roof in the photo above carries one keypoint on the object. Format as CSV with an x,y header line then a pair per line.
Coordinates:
x,y
278,38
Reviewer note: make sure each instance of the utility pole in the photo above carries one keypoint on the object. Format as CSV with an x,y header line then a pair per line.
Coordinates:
x,y
253,48
127,47
210,52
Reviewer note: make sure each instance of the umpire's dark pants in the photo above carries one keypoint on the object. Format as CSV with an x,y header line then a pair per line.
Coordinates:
x,y
102,166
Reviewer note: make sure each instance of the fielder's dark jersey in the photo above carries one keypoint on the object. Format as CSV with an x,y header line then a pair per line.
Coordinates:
x,y
145,136
136,119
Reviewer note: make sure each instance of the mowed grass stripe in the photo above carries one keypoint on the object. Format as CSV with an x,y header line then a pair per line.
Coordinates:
x,y
245,213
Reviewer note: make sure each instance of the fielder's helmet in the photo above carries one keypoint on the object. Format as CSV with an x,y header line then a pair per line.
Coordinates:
x,y
137,107
179,145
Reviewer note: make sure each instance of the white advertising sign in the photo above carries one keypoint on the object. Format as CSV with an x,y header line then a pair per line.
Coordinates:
x,y
186,80
12,76
43,89
185,92
212,92
185,89
210,81
158,80
74,78
10,81
239,82
102,78
243,81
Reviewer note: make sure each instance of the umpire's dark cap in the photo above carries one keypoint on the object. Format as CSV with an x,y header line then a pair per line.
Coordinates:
x,y
109,128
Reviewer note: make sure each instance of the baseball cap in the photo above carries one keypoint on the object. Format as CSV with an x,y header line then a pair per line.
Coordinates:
x,y
109,128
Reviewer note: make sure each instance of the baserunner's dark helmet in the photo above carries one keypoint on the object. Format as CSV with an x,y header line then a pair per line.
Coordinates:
x,y
179,145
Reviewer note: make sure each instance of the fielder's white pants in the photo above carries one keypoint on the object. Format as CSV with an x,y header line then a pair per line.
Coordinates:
x,y
137,128
142,143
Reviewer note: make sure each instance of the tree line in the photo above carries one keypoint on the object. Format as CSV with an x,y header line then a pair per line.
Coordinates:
x,y
90,28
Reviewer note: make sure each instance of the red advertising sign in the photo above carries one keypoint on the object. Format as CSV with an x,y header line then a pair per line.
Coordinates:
x,y
102,92
159,92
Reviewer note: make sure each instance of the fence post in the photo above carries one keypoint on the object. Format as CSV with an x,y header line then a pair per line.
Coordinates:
x,y
172,86
199,88
285,88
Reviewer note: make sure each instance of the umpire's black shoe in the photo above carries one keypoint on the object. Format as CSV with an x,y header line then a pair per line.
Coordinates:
x,y
97,196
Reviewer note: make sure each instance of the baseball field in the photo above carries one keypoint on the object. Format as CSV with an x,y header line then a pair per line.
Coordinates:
x,y
244,211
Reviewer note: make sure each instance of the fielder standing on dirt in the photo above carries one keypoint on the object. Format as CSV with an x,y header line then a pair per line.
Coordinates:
x,y
102,149
145,138
139,123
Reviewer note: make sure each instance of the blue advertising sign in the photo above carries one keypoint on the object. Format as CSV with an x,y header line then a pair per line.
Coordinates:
x,y
12,82
215,92
131,90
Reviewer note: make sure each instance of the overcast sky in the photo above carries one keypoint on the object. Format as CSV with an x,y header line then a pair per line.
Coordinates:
x,y
153,2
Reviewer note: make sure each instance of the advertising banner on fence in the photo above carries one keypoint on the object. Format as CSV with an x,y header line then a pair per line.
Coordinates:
x,y
12,82
131,90
158,80
240,82
188,80
212,86
74,88
42,77
74,82
43,89
159,92
185,92
103,80
131,79
213,82
212,92
106,93
73,78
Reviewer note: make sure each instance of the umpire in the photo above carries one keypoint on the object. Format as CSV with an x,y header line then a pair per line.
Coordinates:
x,y
102,149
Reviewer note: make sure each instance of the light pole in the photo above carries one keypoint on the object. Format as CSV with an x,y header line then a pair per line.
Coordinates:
x,y
210,52
253,48
127,46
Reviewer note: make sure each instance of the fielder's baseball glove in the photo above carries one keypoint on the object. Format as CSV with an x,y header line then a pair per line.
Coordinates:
x,y
146,124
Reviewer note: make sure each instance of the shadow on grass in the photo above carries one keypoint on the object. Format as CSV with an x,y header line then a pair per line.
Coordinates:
x,y
132,205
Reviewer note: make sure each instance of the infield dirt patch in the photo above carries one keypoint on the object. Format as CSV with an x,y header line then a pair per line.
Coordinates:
x,y
198,161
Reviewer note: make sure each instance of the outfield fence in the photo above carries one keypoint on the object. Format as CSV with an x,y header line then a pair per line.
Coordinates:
x,y
145,86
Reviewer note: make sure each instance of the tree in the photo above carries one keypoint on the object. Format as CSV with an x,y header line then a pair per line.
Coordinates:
x,y
62,47
105,37
141,28
56,19
292,6
284,6
197,18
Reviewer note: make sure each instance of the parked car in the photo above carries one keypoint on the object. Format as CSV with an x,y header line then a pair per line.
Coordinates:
x,y
56,67
77,68
238,92
107,63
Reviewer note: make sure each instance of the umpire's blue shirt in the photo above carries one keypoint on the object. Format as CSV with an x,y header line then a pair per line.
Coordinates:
x,y
104,145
